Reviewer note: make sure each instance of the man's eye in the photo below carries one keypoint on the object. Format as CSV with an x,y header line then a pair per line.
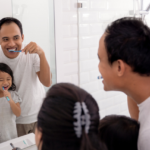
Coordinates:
x,y
8,79
1,80
5,39
16,38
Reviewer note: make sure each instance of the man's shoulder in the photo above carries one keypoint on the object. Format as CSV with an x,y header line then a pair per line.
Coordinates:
x,y
144,139
1,53
144,133
0,49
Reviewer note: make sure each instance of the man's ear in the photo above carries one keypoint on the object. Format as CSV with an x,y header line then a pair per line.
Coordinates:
x,y
22,36
120,67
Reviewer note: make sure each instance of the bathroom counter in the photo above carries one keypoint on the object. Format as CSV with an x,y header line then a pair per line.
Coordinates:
x,y
26,142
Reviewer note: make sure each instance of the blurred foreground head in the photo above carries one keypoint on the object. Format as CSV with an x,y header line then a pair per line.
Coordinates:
x,y
68,120
119,132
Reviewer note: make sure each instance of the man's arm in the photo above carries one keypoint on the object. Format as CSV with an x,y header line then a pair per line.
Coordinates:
x,y
44,73
133,108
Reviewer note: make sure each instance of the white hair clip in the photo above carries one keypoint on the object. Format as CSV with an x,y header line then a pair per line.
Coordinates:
x,y
82,120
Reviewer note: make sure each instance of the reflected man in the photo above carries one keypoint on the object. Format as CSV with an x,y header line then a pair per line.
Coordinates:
x,y
30,69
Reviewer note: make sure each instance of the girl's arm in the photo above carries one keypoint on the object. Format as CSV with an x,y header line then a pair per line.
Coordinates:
x,y
133,109
15,107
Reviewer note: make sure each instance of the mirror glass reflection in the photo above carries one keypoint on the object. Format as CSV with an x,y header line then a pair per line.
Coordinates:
x,y
37,18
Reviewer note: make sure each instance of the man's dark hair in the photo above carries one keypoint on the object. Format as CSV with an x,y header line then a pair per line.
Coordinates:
x,y
128,39
56,121
119,132
6,68
9,20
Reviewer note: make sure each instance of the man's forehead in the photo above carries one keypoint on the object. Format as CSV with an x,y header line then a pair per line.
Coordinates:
x,y
103,38
9,32
102,48
11,27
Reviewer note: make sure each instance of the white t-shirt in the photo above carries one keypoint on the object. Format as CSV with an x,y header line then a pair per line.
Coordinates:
x,y
8,129
144,119
29,87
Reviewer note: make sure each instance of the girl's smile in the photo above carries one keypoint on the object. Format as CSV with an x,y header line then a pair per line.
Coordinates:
x,y
6,87
5,80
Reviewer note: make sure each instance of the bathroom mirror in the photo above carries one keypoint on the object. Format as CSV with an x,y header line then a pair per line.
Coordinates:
x,y
37,18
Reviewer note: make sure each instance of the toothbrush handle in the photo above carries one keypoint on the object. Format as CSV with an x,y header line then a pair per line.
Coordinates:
x,y
7,98
18,51
12,145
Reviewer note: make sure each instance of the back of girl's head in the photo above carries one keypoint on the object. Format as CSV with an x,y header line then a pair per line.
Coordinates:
x,y
119,132
60,122
5,68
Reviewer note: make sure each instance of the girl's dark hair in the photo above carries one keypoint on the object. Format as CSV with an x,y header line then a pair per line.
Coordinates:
x,y
56,122
119,132
6,68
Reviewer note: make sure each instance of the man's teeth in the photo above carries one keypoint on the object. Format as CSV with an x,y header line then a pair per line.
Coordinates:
x,y
12,49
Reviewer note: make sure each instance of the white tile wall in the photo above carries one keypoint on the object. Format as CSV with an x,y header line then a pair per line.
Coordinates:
x,y
70,41
5,8
91,21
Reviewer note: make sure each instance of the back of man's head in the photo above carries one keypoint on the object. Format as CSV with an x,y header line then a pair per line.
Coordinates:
x,y
128,39
9,20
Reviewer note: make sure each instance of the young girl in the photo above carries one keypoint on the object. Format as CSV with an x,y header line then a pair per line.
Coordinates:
x,y
9,104
68,120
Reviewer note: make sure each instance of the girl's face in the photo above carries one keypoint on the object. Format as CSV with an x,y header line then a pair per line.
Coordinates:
x,y
5,80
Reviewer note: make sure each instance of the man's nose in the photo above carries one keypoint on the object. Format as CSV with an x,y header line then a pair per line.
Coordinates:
x,y
11,43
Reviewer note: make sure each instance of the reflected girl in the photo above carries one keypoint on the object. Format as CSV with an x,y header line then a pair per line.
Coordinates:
x,y
9,104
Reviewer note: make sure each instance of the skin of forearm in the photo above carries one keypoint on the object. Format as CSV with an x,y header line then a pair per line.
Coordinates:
x,y
44,74
15,109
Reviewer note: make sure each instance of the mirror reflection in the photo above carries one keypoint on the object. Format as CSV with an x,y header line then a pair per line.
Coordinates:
x,y
27,65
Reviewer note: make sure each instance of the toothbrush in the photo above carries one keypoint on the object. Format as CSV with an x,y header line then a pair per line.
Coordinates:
x,y
6,96
12,145
14,50
99,77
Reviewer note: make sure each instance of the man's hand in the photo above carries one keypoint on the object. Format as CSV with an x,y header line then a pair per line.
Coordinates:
x,y
32,47
44,73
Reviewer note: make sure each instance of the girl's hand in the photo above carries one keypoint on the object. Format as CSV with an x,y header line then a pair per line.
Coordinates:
x,y
7,94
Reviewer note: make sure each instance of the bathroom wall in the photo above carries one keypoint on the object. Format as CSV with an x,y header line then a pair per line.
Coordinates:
x,y
147,17
77,35
5,8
